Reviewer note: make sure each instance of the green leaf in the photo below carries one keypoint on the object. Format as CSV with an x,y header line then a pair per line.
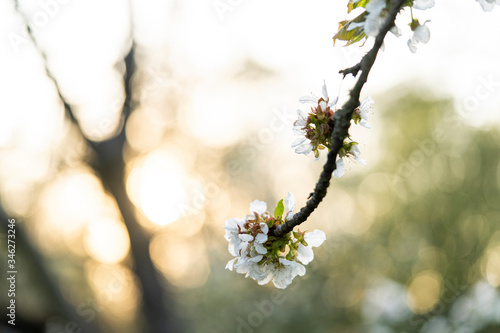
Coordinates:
x,y
277,244
279,209
351,35
408,3
351,5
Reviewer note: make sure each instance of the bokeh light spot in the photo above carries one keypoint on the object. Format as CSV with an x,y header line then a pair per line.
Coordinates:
x,y
493,267
107,240
156,187
424,291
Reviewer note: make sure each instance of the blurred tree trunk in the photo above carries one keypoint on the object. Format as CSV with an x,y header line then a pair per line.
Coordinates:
x,y
110,165
35,260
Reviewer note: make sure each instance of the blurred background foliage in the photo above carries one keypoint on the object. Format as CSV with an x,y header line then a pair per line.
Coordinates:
x,y
419,249
413,241
412,238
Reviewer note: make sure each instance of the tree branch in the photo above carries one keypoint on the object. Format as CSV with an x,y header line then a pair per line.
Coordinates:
x,y
110,165
342,120
352,70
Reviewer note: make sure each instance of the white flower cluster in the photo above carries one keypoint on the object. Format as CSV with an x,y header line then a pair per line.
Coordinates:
x,y
264,257
315,129
377,12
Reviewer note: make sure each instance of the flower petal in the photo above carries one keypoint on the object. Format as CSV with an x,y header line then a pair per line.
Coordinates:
x,y
308,99
264,228
315,238
298,142
232,224
365,124
260,248
396,31
487,5
305,254
332,103
261,238
230,264
422,34
258,207
304,148
290,202
284,274
234,248
265,278
340,170
302,114
412,46
366,103
246,237
323,105
423,4
355,25
324,90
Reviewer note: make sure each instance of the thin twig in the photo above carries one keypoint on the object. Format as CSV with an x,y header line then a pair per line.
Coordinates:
x,y
352,70
342,123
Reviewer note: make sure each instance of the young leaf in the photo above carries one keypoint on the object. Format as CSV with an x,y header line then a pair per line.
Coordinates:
x,y
408,3
280,208
352,4
351,34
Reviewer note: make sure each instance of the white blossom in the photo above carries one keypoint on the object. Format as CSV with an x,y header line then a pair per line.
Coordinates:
x,y
250,267
313,239
302,146
230,264
261,238
488,5
233,227
322,111
423,4
422,34
249,243
290,204
258,207
339,170
314,100
354,153
362,111
246,237
262,235
284,272
374,19
260,248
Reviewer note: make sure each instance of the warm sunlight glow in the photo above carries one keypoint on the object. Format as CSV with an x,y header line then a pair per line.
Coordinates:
x,y
493,267
115,289
424,291
107,240
217,116
71,201
156,187
183,261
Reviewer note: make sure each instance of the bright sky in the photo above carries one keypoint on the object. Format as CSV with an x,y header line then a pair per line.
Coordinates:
x,y
207,47
237,66
239,70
